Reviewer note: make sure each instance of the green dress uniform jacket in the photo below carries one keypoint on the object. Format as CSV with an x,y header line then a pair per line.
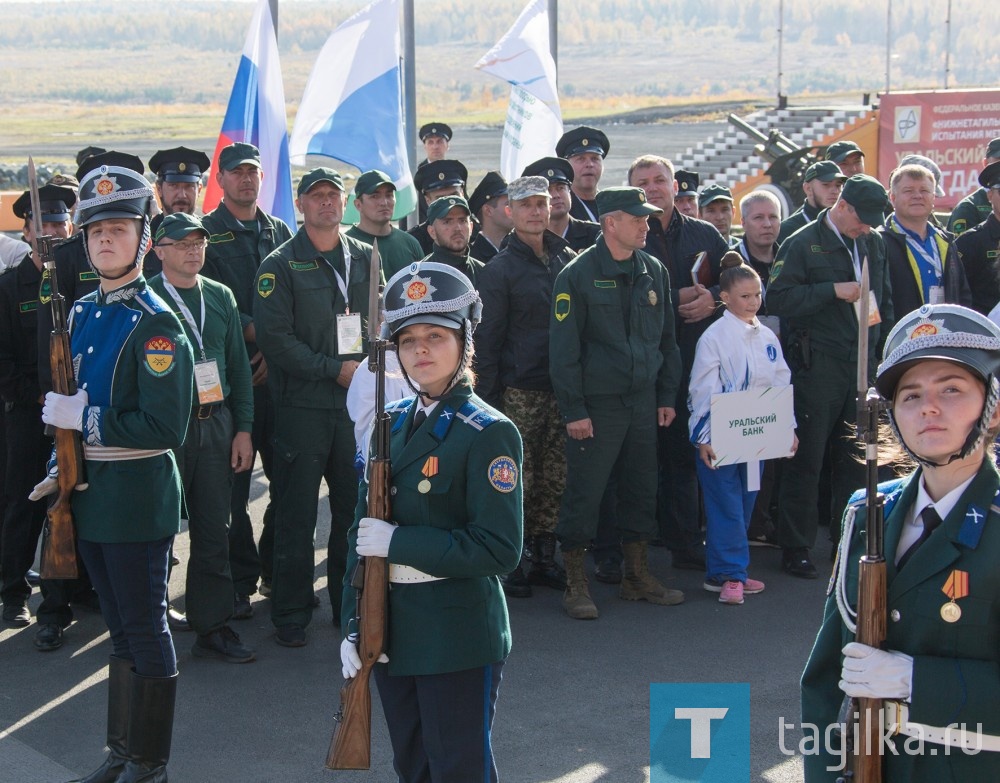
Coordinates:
x,y
801,289
223,341
297,303
612,332
134,361
956,666
979,250
466,527
397,250
970,212
235,252
464,263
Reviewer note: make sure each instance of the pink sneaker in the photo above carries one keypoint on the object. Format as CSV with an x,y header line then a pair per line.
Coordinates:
x,y
752,587
732,593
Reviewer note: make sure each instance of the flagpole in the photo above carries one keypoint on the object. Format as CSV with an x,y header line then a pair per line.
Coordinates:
x,y
554,34
274,16
410,94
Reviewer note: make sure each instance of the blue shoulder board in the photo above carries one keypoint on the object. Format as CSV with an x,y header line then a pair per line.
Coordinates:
x,y
397,409
148,300
476,416
891,491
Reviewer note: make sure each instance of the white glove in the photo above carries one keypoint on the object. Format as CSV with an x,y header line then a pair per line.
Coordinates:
x,y
869,673
63,411
374,536
350,661
50,483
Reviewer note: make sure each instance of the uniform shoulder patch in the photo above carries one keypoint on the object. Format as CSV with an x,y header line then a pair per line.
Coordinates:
x,y
159,353
476,416
265,285
502,474
45,287
562,306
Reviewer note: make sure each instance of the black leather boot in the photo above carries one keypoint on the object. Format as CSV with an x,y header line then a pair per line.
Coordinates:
x,y
119,688
151,725
515,584
544,568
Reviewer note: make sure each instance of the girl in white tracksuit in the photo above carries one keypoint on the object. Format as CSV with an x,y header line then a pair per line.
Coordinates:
x,y
735,353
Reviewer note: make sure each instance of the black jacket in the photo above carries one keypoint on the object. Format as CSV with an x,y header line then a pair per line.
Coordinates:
x,y
512,341
979,250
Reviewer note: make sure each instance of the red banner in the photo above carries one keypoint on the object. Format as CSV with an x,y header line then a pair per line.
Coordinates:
x,y
952,128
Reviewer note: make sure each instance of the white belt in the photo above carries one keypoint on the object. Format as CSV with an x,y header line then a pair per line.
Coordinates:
x,y
897,722
408,575
116,453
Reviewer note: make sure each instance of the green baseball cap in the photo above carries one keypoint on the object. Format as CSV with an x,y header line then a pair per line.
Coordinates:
x,y
630,200
177,226
320,174
712,193
442,206
824,171
841,149
237,154
868,198
371,181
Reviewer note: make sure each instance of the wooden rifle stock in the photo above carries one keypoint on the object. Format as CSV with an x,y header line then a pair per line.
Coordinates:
x,y
59,541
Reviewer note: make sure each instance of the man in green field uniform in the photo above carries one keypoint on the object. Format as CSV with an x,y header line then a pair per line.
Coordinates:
x,y
311,311
822,184
615,369
240,236
449,224
814,287
974,208
218,434
375,199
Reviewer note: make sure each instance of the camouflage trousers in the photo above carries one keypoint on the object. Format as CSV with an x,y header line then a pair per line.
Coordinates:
x,y
543,474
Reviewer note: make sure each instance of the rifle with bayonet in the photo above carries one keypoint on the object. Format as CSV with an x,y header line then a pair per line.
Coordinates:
x,y
59,538
350,746
864,716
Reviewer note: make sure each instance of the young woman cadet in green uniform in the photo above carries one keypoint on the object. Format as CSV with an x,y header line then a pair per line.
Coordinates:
x,y
457,526
939,669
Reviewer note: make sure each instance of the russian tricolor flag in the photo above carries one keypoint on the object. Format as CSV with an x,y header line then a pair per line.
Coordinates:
x,y
256,114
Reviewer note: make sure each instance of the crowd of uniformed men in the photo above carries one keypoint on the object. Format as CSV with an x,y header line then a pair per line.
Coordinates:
x,y
593,303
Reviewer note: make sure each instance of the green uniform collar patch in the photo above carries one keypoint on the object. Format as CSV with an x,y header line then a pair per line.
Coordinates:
x,y
265,285
88,275
27,307
303,266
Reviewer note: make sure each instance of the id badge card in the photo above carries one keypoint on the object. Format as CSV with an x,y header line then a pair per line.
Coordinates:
x,y
874,316
349,336
935,295
208,382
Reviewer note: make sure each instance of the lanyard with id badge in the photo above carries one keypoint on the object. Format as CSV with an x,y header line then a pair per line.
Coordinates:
x,y
207,380
874,316
349,333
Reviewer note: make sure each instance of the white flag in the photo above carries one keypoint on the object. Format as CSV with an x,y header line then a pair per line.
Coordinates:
x,y
522,58
352,107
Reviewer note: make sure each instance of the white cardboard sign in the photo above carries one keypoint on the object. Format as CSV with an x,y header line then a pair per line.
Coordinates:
x,y
753,425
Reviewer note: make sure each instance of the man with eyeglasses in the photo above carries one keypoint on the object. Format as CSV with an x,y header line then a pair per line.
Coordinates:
x,y
178,184
979,247
218,434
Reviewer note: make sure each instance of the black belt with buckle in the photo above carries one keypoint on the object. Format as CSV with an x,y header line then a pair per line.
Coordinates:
x,y
206,411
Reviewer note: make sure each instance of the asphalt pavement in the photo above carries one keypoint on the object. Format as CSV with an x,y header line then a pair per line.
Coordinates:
x,y
573,706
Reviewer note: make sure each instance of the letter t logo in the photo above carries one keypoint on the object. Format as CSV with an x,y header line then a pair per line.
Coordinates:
x,y
701,727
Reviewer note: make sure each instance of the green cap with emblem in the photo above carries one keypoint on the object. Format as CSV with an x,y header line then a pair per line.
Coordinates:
x,y
714,192
824,171
868,198
371,181
435,129
320,174
687,183
179,164
177,226
839,150
624,199
237,154
581,140
442,206
553,169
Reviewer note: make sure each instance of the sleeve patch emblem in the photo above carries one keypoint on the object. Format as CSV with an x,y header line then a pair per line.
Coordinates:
x,y
562,306
159,353
502,474
265,285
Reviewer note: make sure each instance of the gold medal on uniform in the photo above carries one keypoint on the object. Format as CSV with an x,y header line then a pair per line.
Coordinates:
x,y
429,469
955,587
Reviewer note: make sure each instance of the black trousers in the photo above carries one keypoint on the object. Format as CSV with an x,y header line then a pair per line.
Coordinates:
x,y
440,725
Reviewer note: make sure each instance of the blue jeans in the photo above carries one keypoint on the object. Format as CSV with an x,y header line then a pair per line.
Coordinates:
x,y
131,581
728,508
